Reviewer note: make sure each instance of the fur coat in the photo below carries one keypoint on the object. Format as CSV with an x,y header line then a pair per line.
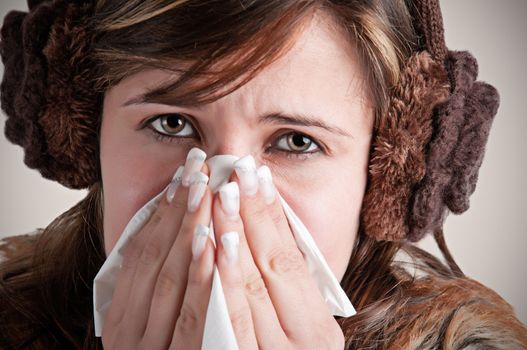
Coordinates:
x,y
440,313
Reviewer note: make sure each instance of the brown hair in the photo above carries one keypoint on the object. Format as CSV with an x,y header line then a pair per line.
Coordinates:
x,y
49,287
45,290
125,43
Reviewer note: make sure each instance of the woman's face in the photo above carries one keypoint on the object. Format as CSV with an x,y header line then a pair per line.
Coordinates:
x,y
306,116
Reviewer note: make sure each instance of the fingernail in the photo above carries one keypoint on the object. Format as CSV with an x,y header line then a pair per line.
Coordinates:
x,y
231,243
195,159
199,240
266,184
230,199
174,184
245,168
198,184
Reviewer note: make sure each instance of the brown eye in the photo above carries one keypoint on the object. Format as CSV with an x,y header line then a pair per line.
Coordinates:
x,y
296,143
174,124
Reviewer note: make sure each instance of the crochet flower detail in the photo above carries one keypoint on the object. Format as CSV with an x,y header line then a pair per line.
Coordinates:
x,y
457,150
427,154
398,159
47,90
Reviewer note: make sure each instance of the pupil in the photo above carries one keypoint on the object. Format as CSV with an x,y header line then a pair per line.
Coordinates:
x,y
174,122
299,141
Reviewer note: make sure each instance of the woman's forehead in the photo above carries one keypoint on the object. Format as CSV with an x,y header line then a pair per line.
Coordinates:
x,y
319,60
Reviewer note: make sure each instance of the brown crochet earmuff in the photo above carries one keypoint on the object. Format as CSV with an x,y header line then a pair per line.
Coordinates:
x,y
47,91
425,154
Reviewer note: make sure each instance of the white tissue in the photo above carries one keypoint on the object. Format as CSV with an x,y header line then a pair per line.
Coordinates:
x,y
218,332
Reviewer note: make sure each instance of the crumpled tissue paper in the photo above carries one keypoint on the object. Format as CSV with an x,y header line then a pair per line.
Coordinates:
x,y
218,332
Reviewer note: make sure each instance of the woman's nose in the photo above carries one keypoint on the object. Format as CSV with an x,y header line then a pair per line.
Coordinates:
x,y
237,144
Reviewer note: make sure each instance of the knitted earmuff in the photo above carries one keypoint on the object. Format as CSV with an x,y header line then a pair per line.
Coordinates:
x,y
425,154
47,91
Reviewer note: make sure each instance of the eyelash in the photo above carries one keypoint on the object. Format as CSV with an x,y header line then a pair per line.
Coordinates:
x,y
148,124
165,137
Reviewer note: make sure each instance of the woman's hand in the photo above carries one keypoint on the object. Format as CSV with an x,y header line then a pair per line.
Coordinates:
x,y
272,299
163,287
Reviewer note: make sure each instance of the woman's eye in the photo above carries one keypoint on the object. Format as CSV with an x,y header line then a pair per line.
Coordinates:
x,y
297,143
173,124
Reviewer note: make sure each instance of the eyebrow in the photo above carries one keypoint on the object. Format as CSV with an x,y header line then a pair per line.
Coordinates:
x,y
272,118
302,120
137,100
154,94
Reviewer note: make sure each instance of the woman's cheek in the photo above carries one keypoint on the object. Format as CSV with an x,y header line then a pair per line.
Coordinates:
x,y
330,211
125,191
132,174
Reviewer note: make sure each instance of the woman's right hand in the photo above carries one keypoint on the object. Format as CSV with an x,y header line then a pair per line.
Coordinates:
x,y
163,287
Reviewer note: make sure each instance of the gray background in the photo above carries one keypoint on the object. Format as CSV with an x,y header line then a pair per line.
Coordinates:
x,y
488,241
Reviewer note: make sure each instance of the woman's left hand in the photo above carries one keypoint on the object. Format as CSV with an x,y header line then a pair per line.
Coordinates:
x,y
273,301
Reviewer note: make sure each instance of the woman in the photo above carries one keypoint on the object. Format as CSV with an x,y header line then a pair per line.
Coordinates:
x,y
357,109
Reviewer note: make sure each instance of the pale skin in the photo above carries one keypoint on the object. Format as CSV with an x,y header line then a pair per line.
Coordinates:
x,y
163,289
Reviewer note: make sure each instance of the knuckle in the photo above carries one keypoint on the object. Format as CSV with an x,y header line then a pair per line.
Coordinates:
x,y
188,321
257,213
197,278
261,212
152,251
255,286
277,216
167,282
242,325
232,281
287,261
155,218
132,252
193,281
179,203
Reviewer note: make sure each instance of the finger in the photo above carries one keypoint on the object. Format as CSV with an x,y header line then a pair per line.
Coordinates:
x,y
157,247
195,159
259,194
188,332
245,292
171,281
230,270
232,280
132,252
291,288
152,258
